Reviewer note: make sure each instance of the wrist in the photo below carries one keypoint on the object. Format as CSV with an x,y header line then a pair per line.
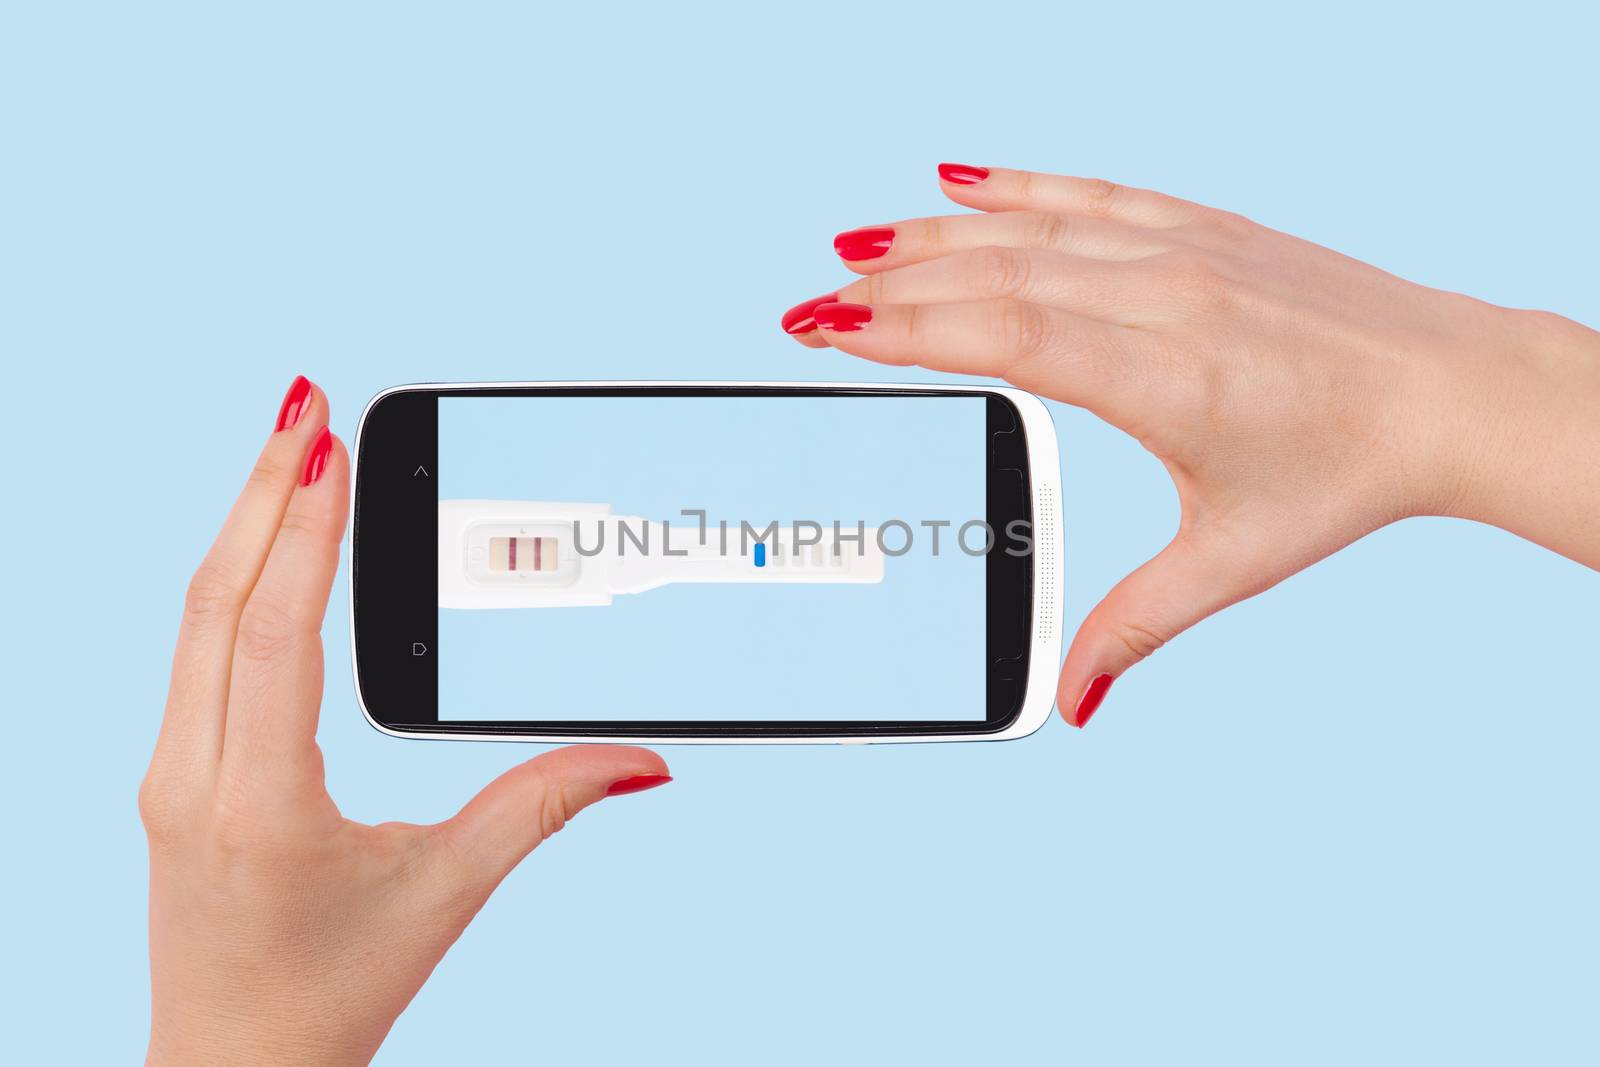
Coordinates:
x,y
224,1037
1521,432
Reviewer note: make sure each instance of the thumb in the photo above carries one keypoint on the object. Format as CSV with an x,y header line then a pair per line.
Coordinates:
x,y
517,811
1189,580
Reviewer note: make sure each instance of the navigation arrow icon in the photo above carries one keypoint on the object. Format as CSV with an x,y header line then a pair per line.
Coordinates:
x,y
420,470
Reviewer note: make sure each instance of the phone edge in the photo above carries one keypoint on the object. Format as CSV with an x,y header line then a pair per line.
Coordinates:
x,y
1044,488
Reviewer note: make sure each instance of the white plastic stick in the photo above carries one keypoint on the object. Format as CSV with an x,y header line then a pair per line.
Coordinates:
x,y
525,554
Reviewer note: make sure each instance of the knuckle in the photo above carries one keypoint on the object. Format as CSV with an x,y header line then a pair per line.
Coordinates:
x,y
1178,266
269,475
1198,388
1002,271
554,812
1197,282
243,827
157,809
1100,197
267,630
1048,229
1022,330
1227,224
212,592
235,833
1141,640
916,326
299,523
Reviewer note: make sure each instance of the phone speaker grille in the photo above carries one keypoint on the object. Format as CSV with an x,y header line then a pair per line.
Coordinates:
x,y
1049,564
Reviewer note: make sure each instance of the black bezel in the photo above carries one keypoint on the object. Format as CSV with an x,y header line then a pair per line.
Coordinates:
x,y
395,607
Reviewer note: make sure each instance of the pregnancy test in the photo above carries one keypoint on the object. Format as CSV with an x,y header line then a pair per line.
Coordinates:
x,y
525,554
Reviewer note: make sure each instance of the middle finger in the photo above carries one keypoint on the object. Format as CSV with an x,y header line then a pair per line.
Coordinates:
x,y
877,248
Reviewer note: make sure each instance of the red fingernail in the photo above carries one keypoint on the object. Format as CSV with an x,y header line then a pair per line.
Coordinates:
x,y
1092,697
798,318
842,318
864,244
961,174
317,458
295,402
637,784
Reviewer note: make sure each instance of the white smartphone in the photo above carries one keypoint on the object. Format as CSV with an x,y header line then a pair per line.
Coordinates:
x,y
706,562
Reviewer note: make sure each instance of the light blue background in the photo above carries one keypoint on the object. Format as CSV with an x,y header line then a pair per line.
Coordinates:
x,y
1352,820
909,647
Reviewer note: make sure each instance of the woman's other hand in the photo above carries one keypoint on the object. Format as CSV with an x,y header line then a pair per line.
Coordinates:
x,y
281,932
1299,399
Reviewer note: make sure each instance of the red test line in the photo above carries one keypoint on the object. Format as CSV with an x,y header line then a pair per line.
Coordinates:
x,y
511,555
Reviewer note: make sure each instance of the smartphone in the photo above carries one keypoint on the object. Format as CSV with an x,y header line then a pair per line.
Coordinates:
x,y
706,562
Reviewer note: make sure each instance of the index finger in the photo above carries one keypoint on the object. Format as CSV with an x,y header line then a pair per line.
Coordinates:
x,y
191,730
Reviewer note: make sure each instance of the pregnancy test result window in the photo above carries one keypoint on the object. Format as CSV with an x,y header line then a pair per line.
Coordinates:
x,y
582,590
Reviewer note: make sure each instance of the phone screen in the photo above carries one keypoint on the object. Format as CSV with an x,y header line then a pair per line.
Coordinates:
x,y
656,558
693,560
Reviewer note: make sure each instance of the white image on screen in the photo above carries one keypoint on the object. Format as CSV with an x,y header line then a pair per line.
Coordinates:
x,y
526,554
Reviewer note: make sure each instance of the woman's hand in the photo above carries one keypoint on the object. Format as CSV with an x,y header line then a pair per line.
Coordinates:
x,y
1299,399
281,932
